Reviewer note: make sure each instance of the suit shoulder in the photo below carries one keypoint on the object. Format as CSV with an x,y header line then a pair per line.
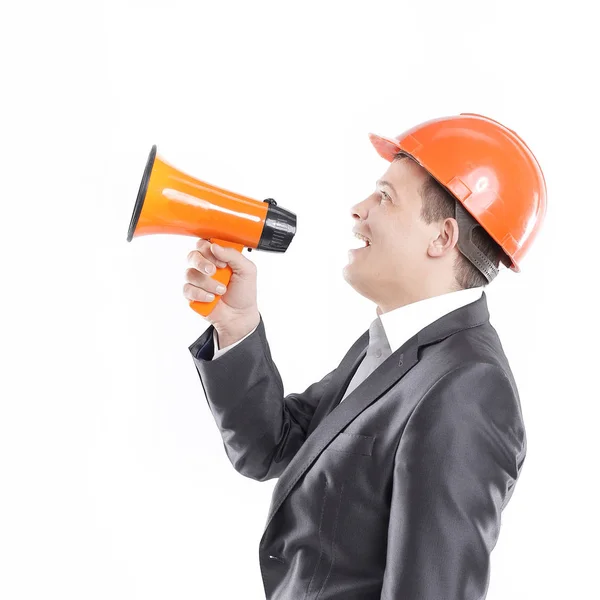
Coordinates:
x,y
476,345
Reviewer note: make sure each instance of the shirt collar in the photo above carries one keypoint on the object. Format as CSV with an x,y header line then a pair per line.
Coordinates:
x,y
401,323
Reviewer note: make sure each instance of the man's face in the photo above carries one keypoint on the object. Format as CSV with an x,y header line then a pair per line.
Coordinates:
x,y
391,271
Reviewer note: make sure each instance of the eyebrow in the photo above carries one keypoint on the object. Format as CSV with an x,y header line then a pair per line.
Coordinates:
x,y
383,182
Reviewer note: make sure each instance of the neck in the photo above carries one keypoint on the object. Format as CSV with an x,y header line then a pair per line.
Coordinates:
x,y
389,304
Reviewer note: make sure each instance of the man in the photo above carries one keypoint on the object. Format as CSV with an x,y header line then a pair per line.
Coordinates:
x,y
394,468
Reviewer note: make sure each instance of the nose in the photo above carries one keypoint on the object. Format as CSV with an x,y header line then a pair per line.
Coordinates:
x,y
360,209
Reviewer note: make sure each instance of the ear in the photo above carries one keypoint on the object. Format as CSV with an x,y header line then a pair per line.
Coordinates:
x,y
445,240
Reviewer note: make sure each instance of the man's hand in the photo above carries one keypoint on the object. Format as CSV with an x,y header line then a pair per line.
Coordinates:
x,y
237,312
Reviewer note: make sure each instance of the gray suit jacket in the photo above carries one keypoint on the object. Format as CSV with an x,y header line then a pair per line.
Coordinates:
x,y
395,493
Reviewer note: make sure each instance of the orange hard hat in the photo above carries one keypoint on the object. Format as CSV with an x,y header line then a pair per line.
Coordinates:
x,y
490,170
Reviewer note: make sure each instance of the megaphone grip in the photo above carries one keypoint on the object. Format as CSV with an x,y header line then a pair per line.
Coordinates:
x,y
221,275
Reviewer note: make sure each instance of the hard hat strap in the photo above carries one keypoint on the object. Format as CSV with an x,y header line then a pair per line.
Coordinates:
x,y
466,225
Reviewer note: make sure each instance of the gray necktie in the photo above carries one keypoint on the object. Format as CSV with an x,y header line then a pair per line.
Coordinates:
x,y
378,350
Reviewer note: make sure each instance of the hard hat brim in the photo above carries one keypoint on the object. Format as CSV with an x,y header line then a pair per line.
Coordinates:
x,y
386,147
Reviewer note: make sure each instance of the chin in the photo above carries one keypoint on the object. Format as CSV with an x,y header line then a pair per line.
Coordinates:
x,y
356,282
349,273
348,276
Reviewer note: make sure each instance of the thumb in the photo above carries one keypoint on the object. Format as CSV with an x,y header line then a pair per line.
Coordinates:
x,y
231,256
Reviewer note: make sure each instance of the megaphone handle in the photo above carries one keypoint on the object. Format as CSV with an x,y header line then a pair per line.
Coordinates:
x,y
221,275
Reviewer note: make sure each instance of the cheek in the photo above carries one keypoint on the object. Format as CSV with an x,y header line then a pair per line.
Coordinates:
x,y
401,243
398,234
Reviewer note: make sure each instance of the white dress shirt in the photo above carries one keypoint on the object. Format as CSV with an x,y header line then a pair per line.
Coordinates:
x,y
401,323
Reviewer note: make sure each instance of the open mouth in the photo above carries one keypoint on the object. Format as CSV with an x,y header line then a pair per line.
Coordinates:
x,y
362,242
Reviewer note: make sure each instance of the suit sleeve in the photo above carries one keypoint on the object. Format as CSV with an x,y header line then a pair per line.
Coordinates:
x,y
261,428
220,351
455,468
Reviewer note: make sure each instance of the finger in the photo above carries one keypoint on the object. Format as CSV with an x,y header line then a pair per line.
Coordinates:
x,y
191,292
197,260
205,282
238,263
204,246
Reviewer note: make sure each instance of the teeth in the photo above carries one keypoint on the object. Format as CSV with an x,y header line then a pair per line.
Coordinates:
x,y
362,238
358,243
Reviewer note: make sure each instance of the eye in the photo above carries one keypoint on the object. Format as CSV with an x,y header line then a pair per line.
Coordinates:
x,y
384,195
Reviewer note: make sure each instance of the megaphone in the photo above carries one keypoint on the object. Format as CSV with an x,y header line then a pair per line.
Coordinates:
x,y
170,201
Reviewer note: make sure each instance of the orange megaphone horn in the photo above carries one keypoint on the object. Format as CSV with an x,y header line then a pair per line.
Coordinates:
x,y
169,201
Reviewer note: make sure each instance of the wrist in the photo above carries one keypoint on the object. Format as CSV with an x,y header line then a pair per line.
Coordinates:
x,y
235,331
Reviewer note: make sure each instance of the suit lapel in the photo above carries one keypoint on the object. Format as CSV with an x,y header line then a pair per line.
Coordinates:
x,y
326,423
340,380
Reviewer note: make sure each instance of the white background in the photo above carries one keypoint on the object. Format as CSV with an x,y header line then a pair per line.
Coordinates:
x,y
114,482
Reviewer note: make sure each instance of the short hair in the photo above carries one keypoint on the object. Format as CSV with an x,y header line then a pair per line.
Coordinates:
x,y
438,204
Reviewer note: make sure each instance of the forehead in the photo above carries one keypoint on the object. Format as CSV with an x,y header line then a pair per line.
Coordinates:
x,y
405,176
